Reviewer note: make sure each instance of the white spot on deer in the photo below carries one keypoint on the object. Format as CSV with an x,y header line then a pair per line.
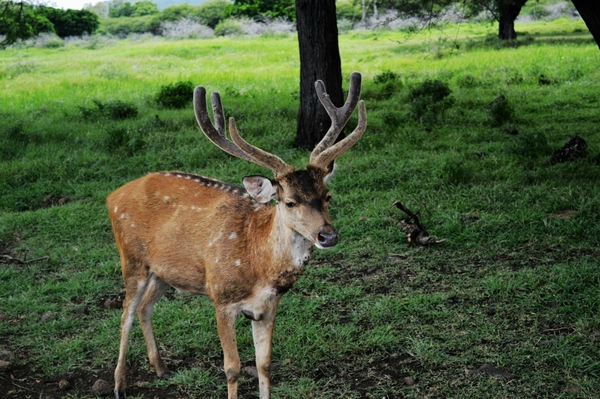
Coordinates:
x,y
122,216
178,176
216,260
187,177
182,188
132,225
116,209
233,236
238,262
167,199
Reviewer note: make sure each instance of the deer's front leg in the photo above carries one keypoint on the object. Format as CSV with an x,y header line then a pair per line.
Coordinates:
x,y
226,327
262,332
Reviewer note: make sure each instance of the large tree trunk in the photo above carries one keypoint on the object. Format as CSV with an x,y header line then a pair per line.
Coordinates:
x,y
509,11
590,12
319,59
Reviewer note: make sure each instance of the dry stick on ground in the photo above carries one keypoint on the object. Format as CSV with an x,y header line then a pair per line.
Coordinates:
x,y
7,259
411,225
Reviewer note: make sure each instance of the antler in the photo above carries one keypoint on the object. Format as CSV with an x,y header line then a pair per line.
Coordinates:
x,y
324,153
238,147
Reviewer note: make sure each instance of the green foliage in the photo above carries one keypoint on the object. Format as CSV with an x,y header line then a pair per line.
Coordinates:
x,y
123,27
176,95
388,83
144,7
501,111
229,27
20,21
348,9
529,145
430,100
212,12
264,9
115,110
70,22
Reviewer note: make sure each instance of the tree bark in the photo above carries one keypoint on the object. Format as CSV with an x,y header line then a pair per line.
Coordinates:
x,y
509,11
590,12
319,59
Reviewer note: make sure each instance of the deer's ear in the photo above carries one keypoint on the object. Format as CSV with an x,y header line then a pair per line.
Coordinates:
x,y
260,188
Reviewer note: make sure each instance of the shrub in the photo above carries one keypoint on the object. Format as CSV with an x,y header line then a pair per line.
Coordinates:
x,y
501,111
388,83
115,110
176,95
229,27
530,145
429,100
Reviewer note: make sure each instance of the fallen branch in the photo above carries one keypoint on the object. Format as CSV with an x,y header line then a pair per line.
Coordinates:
x,y
7,259
415,232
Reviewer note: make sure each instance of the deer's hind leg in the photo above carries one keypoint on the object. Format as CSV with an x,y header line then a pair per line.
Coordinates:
x,y
135,288
155,289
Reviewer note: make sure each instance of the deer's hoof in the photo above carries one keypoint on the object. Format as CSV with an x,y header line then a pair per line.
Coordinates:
x,y
166,376
120,394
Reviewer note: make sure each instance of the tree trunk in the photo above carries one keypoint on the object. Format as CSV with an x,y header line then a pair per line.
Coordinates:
x,y
319,59
590,12
509,11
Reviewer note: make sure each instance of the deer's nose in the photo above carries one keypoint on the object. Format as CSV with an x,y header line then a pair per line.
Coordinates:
x,y
328,237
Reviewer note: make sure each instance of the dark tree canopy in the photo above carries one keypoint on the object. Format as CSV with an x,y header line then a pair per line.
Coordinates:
x,y
70,22
319,59
21,21
264,8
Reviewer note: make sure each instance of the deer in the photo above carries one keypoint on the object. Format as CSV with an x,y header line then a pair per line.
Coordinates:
x,y
243,247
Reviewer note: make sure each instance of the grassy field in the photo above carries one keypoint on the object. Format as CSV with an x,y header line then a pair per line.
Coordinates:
x,y
507,307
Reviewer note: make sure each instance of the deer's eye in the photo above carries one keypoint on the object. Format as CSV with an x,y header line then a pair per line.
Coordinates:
x,y
290,204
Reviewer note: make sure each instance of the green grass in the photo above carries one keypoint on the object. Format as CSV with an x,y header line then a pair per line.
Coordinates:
x,y
516,284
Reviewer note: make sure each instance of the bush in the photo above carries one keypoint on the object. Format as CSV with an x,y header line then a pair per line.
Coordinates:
x,y
176,95
229,27
530,145
430,100
501,111
388,83
115,110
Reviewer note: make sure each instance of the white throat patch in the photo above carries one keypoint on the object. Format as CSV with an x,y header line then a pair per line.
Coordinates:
x,y
300,250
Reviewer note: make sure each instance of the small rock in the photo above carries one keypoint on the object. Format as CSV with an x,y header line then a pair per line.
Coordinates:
x,y
251,371
102,388
64,384
48,316
112,303
409,381
6,355
4,365
572,389
493,371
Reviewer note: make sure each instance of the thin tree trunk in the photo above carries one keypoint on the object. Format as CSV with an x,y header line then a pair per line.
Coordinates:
x,y
319,59
590,12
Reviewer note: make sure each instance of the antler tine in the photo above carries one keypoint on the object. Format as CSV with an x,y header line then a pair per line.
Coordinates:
x,y
214,134
261,157
339,116
218,113
325,158
239,147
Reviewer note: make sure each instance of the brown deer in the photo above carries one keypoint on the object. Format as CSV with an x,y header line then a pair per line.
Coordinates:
x,y
242,247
